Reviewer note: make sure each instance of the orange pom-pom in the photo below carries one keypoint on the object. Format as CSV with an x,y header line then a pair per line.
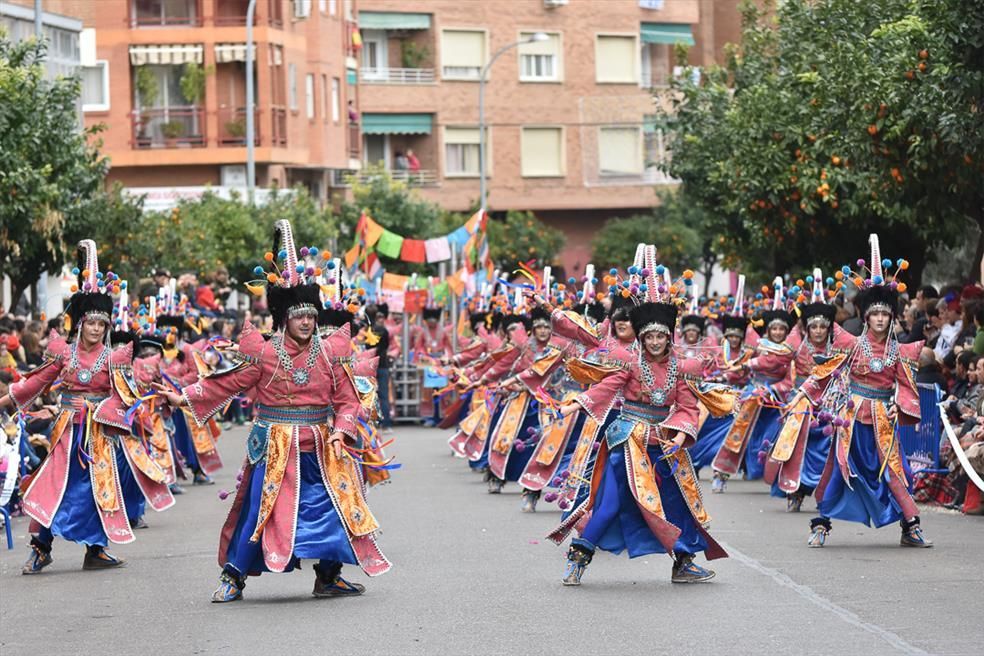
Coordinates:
x,y
85,273
75,288
271,278
688,274
901,287
839,275
325,255
674,289
625,293
904,265
268,256
800,282
839,285
318,271
765,289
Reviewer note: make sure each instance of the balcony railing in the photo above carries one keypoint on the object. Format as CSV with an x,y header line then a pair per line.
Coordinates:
x,y
422,178
279,126
145,13
232,127
397,76
354,140
168,127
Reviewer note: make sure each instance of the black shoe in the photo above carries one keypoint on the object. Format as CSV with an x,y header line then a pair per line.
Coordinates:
x,y
101,559
912,535
331,584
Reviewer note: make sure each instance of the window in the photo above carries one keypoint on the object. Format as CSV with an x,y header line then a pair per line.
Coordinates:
x,y
324,97
309,95
542,152
323,6
336,101
616,59
461,151
332,7
292,86
539,61
655,59
302,8
462,54
620,151
95,87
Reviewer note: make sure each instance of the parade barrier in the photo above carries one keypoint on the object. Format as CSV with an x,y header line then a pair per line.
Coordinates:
x,y
921,442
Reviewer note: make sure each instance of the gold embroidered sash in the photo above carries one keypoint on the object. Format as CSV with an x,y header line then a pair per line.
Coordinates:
x,y
747,414
346,491
103,474
509,423
141,459
555,434
280,441
640,472
789,433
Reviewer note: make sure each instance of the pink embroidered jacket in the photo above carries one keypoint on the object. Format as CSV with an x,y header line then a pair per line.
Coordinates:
x,y
110,409
897,379
259,369
680,400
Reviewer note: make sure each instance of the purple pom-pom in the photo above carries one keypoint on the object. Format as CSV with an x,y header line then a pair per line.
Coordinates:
x,y
564,504
556,481
850,404
860,262
550,497
565,474
304,251
239,476
223,494
828,430
596,446
646,272
530,430
520,446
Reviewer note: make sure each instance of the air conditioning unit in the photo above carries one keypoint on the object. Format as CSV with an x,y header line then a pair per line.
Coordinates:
x,y
302,8
550,4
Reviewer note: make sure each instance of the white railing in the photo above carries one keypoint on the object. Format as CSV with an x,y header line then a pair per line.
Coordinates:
x,y
397,76
422,178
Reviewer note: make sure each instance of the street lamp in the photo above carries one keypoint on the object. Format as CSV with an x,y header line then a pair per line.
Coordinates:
x,y
250,102
533,38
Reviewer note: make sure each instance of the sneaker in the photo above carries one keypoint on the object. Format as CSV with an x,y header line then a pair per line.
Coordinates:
x,y
201,478
101,559
719,485
337,588
230,589
37,560
912,536
793,503
686,570
529,502
495,486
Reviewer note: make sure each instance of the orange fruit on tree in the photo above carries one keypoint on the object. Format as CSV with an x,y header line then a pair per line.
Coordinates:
x,y
872,129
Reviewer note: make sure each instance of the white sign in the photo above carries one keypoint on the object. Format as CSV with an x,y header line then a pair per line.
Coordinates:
x,y
655,5
160,199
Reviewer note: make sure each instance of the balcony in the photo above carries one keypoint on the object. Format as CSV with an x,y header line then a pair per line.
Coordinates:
x,y
232,127
168,127
396,76
230,13
422,178
165,13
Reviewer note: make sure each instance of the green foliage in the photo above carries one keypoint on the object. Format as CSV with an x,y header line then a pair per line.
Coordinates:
x,y
522,237
192,81
412,54
147,88
50,172
675,226
202,235
836,119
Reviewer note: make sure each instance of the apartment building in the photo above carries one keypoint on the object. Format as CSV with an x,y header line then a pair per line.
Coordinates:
x,y
168,78
570,133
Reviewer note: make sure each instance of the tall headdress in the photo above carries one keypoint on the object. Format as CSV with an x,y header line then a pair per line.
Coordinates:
x,y
91,298
880,290
817,310
293,288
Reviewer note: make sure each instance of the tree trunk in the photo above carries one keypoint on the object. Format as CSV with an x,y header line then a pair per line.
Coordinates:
x,y
16,293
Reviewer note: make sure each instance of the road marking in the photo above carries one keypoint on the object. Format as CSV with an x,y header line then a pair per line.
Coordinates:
x,y
807,593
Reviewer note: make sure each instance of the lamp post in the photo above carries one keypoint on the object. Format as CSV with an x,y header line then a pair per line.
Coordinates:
x,y
533,38
250,102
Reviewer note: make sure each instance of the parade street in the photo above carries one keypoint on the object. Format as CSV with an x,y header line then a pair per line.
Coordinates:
x,y
473,575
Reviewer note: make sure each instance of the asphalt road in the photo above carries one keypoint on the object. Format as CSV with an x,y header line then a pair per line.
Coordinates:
x,y
473,575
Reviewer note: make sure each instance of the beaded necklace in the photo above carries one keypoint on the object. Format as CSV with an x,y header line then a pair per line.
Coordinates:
x,y
300,375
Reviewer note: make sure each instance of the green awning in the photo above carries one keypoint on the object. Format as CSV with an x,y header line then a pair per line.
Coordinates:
x,y
397,123
351,76
388,20
667,33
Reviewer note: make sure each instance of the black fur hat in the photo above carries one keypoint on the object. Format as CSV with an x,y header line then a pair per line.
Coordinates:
x,y
512,319
653,316
476,320
334,318
781,316
695,320
596,311
382,309
433,313
621,308
84,303
810,311
878,295
538,315
281,300
733,325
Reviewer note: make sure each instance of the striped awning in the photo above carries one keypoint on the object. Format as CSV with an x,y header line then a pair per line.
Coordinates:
x,y
232,52
397,123
172,54
671,33
391,20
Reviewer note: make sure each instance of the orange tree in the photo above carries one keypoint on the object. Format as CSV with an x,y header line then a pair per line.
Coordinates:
x,y
836,118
